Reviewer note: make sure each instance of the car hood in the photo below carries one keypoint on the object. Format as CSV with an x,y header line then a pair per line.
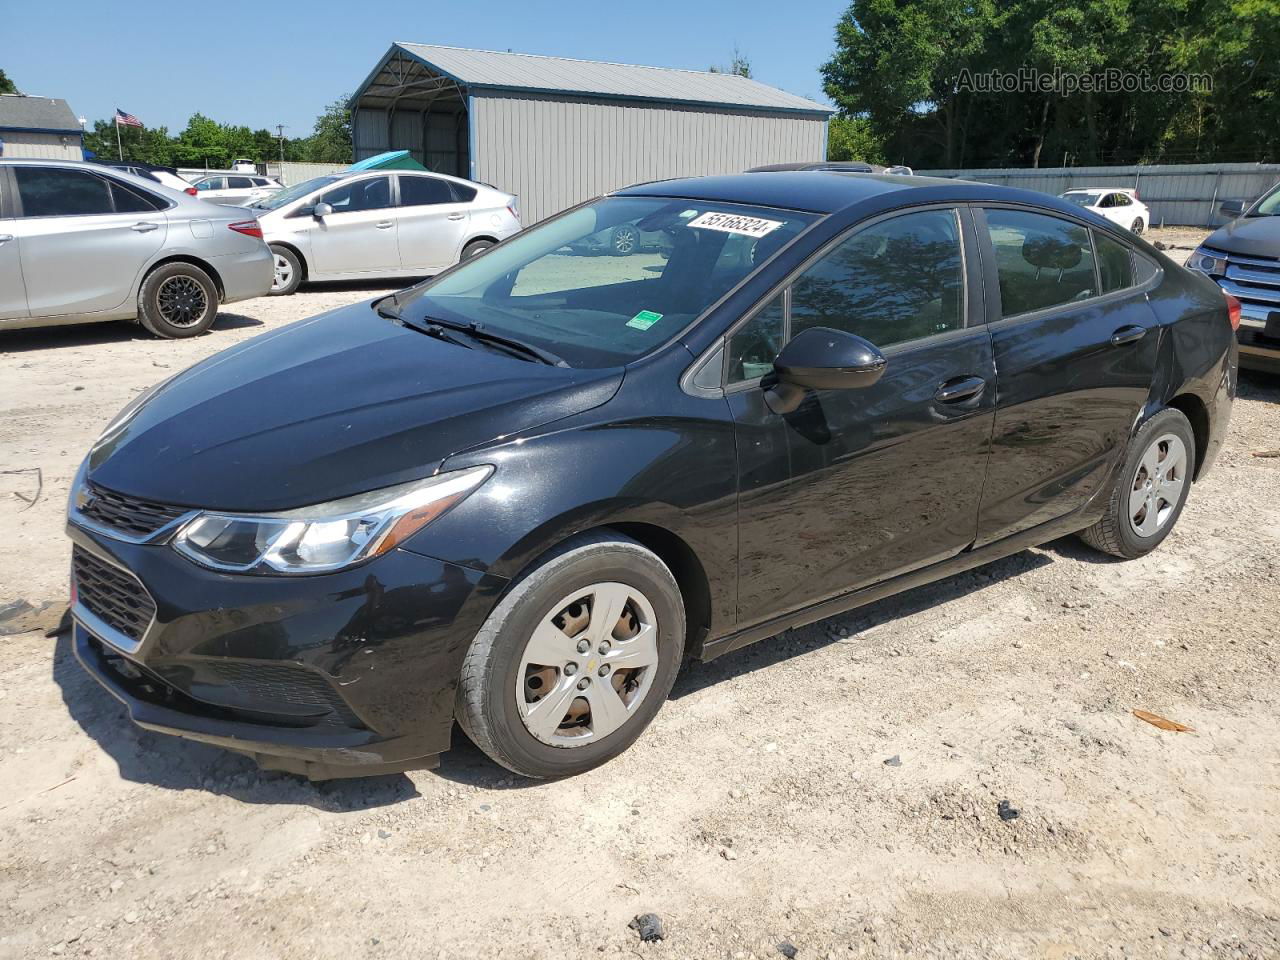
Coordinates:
x,y
343,403
1248,236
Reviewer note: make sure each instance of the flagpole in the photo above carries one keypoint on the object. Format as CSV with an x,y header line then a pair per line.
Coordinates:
x,y
119,148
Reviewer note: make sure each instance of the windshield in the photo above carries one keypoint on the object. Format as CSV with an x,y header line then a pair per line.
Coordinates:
x,y
290,194
611,281
1083,199
1268,206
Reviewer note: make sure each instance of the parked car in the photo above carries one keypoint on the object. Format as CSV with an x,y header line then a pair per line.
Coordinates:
x,y
244,165
81,243
240,191
520,494
1121,207
1244,259
392,224
168,176
623,240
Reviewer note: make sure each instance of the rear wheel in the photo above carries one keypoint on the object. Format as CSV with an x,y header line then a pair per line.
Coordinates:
x,y
1152,488
1137,226
576,660
624,240
177,300
475,248
288,271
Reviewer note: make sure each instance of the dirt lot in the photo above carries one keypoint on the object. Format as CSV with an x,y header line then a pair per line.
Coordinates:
x,y
835,788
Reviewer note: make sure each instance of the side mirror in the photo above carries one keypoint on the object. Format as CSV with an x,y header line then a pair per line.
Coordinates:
x,y
1232,208
824,359
321,210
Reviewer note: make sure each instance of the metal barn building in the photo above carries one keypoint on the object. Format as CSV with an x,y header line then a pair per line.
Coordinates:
x,y
39,127
556,131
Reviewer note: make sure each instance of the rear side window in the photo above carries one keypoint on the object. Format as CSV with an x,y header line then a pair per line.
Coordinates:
x,y
1042,261
239,183
1115,263
462,193
133,201
423,191
212,183
57,192
898,280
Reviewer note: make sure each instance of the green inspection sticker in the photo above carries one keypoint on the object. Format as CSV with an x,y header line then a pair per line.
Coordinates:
x,y
644,320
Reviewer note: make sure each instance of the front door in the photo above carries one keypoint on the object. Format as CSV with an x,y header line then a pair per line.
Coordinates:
x,y
855,486
82,240
359,236
13,292
433,224
1075,346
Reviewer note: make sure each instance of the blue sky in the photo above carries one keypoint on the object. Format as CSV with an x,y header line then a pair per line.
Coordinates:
x,y
272,62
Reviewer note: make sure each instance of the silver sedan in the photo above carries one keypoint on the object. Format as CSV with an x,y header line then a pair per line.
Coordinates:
x,y
82,243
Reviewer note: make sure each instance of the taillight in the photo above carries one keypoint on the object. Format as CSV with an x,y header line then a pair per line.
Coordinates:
x,y
192,191
512,210
1233,311
250,228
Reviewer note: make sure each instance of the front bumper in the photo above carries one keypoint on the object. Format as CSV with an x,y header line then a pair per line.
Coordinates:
x,y
346,674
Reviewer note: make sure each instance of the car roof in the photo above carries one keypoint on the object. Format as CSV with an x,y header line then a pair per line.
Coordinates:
x,y
829,192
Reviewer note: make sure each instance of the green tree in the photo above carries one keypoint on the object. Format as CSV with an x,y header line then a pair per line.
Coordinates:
x,y
739,65
851,138
330,141
6,85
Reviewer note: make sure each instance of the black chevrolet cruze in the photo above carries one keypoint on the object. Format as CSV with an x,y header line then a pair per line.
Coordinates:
x,y
520,494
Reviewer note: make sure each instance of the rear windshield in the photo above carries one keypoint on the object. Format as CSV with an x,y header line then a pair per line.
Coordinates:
x,y
611,281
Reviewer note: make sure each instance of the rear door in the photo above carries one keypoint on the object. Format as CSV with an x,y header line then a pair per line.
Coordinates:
x,y
83,239
212,189
433,223
359,236
13,292
1075,346
856,486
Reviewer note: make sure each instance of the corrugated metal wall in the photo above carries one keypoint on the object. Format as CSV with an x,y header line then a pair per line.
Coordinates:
x,y
43,146
290,173
557,151
1178,194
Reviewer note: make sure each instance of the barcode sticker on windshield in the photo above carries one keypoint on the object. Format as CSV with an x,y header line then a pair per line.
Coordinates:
x,y
734,223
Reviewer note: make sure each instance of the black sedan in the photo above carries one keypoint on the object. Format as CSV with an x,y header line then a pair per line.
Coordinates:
x,y
520,494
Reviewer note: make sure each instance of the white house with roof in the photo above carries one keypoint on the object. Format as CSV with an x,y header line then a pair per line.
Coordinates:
x,y
41,127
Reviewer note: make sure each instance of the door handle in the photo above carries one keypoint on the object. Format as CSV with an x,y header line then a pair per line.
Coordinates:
x,y
457,216
960,388
144,227
384,224
1129,334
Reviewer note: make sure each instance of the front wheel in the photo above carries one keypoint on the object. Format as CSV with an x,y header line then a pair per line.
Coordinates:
x,y
624,240
176,301
576,660
288,271
1151,491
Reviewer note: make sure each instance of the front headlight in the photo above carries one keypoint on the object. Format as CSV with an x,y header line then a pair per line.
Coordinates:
x,y
328,536
1205,261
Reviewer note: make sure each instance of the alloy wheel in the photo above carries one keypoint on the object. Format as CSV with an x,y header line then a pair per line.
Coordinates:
x,y
1158,485
588,665
181,301
624,240
284,272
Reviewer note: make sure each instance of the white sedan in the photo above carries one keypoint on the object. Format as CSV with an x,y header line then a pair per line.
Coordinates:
x,y
1118,206
395,224
235,189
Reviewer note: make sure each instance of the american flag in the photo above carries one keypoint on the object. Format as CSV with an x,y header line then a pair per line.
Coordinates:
x,y
126,119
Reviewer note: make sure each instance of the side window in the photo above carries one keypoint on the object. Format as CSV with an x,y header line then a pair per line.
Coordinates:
x,y
1115,263
239,183
261,182
899,280
58,192
211,183
132,201
1122,200
1042,261
462,194
755,344
358,195
423,191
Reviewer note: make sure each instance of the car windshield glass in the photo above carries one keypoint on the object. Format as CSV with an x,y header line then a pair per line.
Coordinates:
x,y
608,282
278,200
1270,205
1083,199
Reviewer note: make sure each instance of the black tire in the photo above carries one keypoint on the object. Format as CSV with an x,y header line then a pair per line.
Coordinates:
x,y
177,300
292,268
624,240
486,706
1115,533
475,248
1137,226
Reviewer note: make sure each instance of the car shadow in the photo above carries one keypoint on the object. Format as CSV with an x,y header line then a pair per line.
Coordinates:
x,y
358,286
88,334
176,764
465,763
697,676
1259,385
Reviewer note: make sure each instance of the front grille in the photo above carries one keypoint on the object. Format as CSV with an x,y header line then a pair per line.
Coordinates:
x,y
1255,282
130,515
112,595
270,683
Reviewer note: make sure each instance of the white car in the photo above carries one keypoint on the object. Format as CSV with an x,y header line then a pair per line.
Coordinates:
x,y
380,223
239,190
1118,206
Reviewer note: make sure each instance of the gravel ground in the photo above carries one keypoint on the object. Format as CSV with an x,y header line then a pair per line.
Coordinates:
x,y
836,790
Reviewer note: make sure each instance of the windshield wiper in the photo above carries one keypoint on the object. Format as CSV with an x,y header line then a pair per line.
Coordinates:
x,y
477,332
